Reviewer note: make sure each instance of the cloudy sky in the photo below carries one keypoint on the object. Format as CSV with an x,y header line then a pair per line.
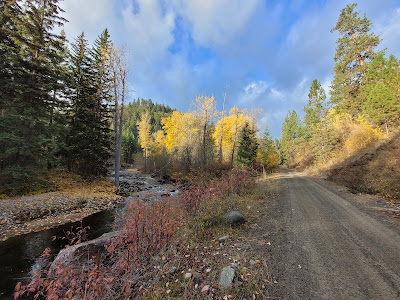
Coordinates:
x,y
266,52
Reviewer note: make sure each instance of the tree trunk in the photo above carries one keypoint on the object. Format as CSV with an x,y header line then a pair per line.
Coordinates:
x,y
116,155
119,145
360,60
204,144
234,141
222,129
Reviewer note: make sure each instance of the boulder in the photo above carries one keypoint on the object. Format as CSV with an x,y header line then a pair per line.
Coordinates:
x,y
234,218
66,254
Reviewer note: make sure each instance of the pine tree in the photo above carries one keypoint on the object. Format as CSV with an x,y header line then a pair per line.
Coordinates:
x,y
355,49
291,137
382,92
317,131
315,109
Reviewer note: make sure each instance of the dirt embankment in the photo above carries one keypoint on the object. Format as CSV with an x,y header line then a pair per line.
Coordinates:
x,y
376,171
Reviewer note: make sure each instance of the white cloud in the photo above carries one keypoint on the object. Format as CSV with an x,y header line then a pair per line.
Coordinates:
x,y
253,92
389,33
90,16
147,31
216,22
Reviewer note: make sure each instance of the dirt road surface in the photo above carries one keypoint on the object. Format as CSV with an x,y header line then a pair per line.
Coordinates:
x,y
328,244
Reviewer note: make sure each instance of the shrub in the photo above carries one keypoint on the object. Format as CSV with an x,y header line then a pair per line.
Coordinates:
x,y
115,271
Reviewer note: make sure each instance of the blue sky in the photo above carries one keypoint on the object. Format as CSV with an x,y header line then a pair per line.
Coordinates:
x,y
266,52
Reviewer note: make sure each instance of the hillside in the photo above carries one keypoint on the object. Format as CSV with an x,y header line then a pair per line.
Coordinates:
x,y
375,171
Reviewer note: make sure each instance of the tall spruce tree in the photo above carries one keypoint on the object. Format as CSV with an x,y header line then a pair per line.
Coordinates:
x,y
103,110
355,49
89,144
10,87
30,49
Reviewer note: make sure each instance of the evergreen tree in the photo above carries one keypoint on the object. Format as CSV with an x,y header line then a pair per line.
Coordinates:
x,y
317,131
315,109
382,92
81,119
248,146
89,144
267,152
102,143
10,87
291,137
355,48
30,53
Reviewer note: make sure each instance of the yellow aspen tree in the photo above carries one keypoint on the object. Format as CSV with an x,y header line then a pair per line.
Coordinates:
x,y
172,130
158,145
182,134
237,119
204,109
144,128
221,135
230,127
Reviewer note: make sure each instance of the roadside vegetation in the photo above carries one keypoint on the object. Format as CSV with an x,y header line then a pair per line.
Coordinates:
x,y
364,109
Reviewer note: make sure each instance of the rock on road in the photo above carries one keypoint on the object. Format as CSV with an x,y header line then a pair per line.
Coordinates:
x,y
327,245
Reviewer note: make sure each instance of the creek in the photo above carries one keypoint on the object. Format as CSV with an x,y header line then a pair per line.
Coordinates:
x,y
20,255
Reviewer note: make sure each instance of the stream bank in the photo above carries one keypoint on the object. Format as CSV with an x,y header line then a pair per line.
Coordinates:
x,y
19,255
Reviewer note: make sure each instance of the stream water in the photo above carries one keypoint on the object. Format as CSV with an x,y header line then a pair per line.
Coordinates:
x,y
19,255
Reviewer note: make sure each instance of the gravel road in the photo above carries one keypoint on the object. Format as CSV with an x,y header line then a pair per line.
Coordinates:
x,y
328,245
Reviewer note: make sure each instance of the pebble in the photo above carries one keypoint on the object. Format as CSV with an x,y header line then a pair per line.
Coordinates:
x,y
223,239
188,275
226,277
205,289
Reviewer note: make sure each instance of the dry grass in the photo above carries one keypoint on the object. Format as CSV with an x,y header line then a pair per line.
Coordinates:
x,y
72,200
198,251
373,170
